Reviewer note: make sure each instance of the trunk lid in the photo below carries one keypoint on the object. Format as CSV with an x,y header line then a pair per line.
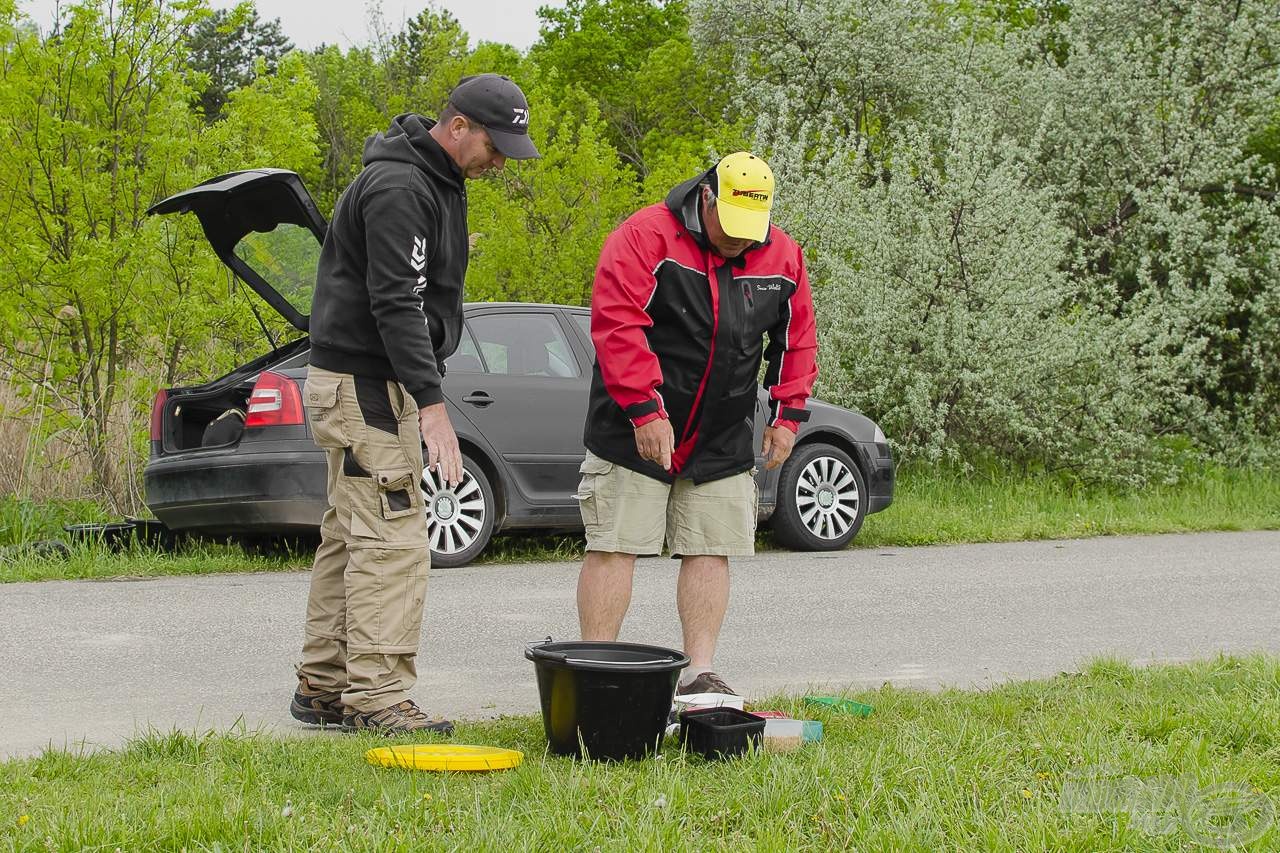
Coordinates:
x,y
265,227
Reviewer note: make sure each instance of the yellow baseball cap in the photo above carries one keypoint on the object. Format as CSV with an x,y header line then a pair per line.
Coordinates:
x,y
744,195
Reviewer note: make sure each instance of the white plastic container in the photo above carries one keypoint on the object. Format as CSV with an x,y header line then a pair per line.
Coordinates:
x,y
782,735
707,700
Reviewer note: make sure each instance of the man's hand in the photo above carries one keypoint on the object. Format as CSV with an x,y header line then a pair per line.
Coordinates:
x,y
442,443
655,441
778,442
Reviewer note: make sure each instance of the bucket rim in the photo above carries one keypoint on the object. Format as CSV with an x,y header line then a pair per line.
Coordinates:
x,y
558,654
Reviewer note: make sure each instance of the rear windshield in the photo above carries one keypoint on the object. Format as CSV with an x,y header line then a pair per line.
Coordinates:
x,y
286,257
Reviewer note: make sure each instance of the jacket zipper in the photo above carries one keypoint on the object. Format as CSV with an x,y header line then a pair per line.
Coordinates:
x,y
711,357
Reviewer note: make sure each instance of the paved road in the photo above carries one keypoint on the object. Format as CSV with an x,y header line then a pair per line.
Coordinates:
x,y
91,662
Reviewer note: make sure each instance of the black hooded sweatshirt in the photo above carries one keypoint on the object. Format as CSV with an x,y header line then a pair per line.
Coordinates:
x,y
388,300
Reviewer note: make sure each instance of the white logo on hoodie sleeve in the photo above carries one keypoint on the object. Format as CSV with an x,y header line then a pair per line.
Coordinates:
x,y
418,260
418,257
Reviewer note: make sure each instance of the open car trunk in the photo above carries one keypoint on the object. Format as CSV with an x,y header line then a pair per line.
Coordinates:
x,y
211,416
206,420
265,227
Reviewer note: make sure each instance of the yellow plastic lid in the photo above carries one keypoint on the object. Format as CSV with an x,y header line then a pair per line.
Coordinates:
x,y
434,756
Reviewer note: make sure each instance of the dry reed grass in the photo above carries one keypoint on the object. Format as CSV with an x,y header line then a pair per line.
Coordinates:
x,y
44,447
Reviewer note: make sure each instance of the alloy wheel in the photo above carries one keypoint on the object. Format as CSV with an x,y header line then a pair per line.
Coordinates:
x,y
827,497
455,517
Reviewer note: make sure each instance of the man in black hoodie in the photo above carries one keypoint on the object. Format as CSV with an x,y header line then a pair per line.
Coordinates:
x,y
387,313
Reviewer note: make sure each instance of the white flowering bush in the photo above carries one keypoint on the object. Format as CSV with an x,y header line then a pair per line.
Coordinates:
x,y
1044,233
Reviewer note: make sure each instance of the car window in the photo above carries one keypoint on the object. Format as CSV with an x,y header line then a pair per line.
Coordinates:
x,y
286,257
466,358
583,322
524,344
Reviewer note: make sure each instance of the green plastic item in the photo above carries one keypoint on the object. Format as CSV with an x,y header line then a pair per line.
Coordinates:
x,y
839,705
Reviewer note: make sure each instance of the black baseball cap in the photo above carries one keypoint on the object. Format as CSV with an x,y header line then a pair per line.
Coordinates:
x,y
497,104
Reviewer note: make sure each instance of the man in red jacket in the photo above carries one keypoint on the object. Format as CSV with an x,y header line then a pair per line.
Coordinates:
x,y
685,293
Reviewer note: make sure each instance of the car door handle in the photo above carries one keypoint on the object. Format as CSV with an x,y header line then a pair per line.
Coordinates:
x,y
478,398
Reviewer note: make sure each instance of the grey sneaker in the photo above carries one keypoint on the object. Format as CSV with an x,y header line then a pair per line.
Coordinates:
x,y
403,719
316,707
707,682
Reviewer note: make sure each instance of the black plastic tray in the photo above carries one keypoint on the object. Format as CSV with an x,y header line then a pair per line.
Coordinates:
x,y
720,732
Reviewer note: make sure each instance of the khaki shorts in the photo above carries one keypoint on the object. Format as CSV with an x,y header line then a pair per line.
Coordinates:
x,y
629,513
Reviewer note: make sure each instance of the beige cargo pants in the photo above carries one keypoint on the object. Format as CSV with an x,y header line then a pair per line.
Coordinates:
x,y
369,580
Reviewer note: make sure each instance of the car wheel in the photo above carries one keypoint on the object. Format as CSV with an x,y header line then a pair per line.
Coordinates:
x,y
459,520
821,499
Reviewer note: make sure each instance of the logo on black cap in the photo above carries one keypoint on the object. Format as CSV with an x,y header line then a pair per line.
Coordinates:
x,y
496,103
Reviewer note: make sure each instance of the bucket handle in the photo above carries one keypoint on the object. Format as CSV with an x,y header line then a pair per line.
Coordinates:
x,y
618,662
561,657
546,653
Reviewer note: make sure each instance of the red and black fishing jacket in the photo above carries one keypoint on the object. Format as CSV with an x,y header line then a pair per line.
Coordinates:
x,y
680,333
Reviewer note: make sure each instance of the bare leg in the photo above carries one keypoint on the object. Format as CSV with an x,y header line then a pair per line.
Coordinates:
x,y
702,596
604,594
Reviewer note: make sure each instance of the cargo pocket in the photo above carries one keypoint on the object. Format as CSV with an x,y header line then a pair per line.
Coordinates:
x,y
398,493
593,467
386,587
324,410
415,598
403,576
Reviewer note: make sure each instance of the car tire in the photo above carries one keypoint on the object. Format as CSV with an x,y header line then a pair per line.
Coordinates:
x,y
459,521
822,499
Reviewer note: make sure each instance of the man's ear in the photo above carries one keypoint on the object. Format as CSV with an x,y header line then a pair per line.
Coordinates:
x,y
457,127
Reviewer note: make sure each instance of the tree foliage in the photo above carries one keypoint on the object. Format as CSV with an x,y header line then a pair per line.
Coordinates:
x,y
413,70
1039,230
538,228
97,296
636,59
98,123
227,47
1062,227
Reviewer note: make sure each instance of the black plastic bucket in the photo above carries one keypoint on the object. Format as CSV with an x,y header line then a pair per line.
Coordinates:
x,y
609,699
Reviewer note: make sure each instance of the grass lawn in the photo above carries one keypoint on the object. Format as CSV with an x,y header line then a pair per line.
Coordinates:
x,y
1111,758
932,506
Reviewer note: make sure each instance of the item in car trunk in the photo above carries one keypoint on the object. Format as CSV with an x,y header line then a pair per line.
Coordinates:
x,y
226,428
185,418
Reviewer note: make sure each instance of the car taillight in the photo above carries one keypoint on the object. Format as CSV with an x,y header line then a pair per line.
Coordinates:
x,y
274,401
157,415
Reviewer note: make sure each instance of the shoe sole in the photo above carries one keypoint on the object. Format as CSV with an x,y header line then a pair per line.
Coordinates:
x,y
709,693
349,728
